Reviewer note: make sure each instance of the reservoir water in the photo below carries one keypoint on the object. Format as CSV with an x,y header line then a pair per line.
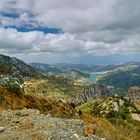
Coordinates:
x,y
93,76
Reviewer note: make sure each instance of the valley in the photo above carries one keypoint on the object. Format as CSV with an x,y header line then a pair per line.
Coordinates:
x,y
94,76
77,103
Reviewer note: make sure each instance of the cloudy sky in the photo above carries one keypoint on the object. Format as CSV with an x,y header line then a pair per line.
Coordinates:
x,y
73,31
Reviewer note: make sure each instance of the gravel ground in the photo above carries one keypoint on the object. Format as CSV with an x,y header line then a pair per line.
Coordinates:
x,y
29,124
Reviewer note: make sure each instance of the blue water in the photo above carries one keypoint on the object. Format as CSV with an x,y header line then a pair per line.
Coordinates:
x,y
93,77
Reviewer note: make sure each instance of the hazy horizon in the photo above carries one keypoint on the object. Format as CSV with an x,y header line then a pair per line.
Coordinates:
x,y
117,60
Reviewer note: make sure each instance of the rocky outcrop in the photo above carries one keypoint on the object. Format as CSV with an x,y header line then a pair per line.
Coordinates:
x,y
97,91
136,116
134,94
13,82
29,124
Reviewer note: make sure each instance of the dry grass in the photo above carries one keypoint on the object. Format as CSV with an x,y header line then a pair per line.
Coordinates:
x,y
14,101
104,128
37,136
45,89
89,130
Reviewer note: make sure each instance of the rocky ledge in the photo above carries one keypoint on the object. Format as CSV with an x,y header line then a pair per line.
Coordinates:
x,y
90,93
29,124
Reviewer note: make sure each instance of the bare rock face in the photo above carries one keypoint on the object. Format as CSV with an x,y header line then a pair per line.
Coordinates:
x,y
97,91
134,94
2,129
29,124
136,116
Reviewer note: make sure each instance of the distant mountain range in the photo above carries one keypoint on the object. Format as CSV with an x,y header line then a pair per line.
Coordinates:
x,y
88,67
64,70
121,76
61,67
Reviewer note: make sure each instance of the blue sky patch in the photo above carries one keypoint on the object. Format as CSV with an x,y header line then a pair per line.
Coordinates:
x,y
10,15
29,28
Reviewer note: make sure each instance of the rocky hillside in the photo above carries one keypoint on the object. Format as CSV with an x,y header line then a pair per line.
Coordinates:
x,y
30,124
121,112
12,70
10,65
11,100
109,107
134,94
93,92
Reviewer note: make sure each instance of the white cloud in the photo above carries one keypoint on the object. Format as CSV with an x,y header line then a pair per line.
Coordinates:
x,y
79,16
94,27
37,42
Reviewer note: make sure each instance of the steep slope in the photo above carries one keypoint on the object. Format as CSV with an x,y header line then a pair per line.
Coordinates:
x,y
12,71
93,92
134,95
10,65
11,100
12,82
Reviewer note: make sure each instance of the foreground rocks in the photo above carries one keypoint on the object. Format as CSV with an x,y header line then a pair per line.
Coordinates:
x,y
29,124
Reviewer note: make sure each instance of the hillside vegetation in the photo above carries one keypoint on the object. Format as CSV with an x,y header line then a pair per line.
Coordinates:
x,y
117,111
122,79
56,87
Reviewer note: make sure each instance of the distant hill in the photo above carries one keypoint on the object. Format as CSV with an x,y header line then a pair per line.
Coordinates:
x,y
124,77
46,68
121,76
89,67
10,65
66,71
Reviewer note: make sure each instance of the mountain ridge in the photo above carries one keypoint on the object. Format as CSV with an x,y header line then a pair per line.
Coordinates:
x,y
15,65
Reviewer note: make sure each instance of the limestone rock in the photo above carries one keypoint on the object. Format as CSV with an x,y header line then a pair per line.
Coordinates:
x,y
33,125
2,129
97,91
